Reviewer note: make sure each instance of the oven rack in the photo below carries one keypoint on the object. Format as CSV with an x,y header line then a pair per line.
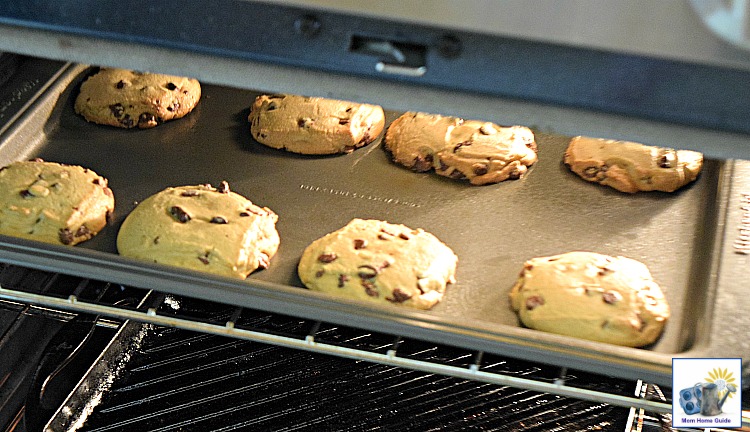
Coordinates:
x,y
66,293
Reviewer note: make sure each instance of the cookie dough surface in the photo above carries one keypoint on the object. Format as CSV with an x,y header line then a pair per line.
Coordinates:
x,y
129,99
315,126
201,228
381,262
591,296
631,167
52,202
481,152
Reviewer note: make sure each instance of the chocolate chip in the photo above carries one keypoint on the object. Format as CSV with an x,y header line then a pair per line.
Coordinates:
x,y
127,121
263,261
360,243
422,163
304,122
156,240
319,273
461,144
171,86
190,193
370,288
218,220
399,296
367,271
343,121
95,181
223,187
120,84
457,175
146,119
179,214
404,236
117,110
611,297
82,231
591,172
204,260
383,237
249,211
327,257
515,174
66,236
667,159
25,193
605,271
343,279
480,169
442,166
349,109
533,302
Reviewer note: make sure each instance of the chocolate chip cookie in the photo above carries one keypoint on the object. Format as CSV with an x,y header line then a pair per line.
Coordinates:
x,y
481,152
314,126
381,262
130,99
52,202
631,167
591,296
201,228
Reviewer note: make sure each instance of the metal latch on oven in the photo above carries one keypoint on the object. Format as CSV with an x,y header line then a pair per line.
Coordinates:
x,y
393,57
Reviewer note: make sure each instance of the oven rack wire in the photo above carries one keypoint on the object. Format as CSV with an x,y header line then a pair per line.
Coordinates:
x,y
164,310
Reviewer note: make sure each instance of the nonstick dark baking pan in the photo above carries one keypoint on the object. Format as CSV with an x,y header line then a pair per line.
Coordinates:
x,y
493,229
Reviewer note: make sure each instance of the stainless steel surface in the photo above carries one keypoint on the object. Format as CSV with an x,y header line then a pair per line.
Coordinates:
x,y
669,29
493,229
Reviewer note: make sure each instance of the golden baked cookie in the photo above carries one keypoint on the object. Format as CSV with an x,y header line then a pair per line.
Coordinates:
x,y
201,228
128,99
315,126
381,262
591,296
52,202
632,167
481,152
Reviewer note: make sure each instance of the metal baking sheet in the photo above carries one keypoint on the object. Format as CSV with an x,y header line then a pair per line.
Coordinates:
x,y
493,229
